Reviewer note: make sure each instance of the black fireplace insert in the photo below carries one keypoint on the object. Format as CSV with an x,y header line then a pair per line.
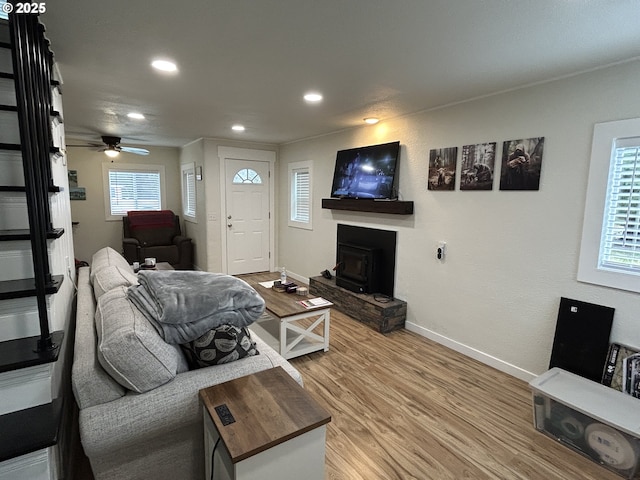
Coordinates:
x,y
366,259
358,268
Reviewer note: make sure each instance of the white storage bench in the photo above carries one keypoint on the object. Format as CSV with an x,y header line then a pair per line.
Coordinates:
x,y
596,421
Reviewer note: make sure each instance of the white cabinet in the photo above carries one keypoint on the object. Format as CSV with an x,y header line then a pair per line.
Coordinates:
x,y
278,429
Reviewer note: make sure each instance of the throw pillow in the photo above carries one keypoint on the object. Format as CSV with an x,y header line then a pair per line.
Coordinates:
x,y
223,344
110,277
106,257
129,348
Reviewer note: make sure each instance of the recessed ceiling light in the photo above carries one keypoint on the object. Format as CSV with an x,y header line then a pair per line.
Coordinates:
x,y
135,115
313,97
164,65
371,120
238,128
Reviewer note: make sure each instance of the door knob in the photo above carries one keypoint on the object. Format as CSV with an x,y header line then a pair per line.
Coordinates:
x,y
229,217
229,225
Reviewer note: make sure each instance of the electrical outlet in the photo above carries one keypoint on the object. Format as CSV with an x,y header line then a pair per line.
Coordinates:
x,y
441,251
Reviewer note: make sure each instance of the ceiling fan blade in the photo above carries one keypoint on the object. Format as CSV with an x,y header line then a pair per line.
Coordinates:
x,y
89,145
137,151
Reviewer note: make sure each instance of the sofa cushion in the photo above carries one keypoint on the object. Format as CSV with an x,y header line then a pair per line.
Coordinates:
x,y
111,277
223,344
106,257
91,384
129,347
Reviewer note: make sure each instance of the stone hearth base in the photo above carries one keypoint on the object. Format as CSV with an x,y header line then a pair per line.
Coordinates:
x,y
383,317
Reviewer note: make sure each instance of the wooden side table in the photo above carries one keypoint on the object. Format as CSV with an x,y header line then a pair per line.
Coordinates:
x,y
278,430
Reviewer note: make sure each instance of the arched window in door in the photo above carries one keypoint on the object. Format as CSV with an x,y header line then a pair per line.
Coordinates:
x,y
247,175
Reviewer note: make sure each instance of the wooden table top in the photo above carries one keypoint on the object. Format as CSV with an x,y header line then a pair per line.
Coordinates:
x,y
281,304
269,407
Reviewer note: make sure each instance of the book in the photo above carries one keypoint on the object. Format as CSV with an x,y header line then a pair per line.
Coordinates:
x,y
315,302
622,370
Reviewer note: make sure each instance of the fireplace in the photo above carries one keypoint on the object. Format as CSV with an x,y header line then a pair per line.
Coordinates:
x,y
358,268
366,259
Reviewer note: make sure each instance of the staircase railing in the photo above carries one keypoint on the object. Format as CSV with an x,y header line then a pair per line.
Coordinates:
x,y
32,67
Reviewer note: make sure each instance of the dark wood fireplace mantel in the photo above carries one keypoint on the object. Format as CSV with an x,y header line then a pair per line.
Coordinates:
x,y
396,207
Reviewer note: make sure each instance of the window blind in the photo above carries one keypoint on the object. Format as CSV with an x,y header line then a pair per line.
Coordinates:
x,y
189,178
620,244
301,197
134,190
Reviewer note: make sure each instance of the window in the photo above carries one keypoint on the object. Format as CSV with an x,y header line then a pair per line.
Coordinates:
x,y
189,191
620,244
247,175
300,187
610,250
132,187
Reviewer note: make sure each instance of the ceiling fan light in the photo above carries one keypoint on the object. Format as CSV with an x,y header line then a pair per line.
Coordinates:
x,y
111,152
164,65
371,120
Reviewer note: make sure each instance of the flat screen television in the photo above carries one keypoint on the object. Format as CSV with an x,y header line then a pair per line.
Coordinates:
x,y
366,172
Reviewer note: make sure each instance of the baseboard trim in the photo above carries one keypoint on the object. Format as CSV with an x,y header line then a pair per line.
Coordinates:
x,y
472,352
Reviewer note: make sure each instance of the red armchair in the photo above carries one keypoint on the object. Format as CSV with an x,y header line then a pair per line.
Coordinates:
x,y
156,234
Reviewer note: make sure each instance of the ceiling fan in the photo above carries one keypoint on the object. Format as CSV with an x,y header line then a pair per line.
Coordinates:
x,y
111,147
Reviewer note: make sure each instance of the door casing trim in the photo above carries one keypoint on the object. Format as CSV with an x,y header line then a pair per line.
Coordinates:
x,y
235,153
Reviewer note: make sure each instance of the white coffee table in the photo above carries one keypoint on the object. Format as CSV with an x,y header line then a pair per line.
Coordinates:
x,y
287,326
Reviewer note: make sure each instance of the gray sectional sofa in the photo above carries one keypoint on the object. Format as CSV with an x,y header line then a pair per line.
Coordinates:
x,y
140,415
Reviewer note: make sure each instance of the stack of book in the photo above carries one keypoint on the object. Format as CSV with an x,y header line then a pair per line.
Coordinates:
x,y
315,302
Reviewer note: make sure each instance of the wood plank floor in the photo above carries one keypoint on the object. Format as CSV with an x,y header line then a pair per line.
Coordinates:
x,y
404,407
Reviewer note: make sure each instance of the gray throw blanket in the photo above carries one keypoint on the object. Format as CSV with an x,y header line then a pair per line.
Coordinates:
x,y
183,305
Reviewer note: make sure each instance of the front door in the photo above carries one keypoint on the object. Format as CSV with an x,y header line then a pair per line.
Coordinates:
x,y
247,216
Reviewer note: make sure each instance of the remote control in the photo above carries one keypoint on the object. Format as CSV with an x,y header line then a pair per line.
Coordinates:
x,y
225,415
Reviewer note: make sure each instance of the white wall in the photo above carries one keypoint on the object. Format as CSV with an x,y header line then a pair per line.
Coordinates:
x,y
511,255
210,209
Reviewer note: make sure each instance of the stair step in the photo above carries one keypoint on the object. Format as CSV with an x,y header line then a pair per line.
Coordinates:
x,y
11,168
4,30
6,62
18,147
18,188
23,234
9,126
9,108
30,430
7,92
34,466
19,318
16,259
22,353
25,287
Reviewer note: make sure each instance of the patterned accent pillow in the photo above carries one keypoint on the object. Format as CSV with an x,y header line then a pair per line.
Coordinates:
x,y
223,344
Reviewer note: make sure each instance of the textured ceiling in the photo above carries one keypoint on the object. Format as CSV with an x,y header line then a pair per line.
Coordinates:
x,y
250,61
